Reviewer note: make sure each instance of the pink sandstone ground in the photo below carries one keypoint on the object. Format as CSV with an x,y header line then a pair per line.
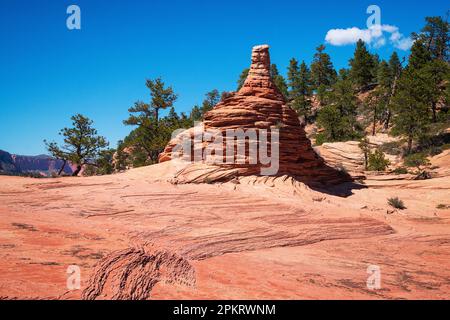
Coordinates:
x,y
136,236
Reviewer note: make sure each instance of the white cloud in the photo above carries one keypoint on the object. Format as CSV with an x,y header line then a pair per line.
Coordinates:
x,y
374,35
380,42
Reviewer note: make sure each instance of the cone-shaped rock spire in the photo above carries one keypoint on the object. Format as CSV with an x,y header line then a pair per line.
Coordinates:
x,y
259,81
259,105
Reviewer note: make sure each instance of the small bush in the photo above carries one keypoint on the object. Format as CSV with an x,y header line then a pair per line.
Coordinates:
x,y
396,203
377,161
416,160
393,148
401,170
442,206
320,139
424,175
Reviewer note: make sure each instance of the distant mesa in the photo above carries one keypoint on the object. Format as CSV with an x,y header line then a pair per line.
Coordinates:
x,y
258,105
42,164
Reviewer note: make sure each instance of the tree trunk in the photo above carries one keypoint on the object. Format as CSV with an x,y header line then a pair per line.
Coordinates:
x,y
389,113
433,108
77,171
374,122
388,119
410,141
366,161
62,167
157,114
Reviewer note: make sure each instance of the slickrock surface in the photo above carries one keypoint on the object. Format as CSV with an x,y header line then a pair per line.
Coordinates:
x,y
259,105
136,236
345,154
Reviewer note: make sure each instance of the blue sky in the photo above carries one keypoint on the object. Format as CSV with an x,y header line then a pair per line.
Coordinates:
x,y
49,73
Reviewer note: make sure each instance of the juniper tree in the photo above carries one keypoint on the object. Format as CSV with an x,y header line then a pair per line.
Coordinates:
x,y
82,145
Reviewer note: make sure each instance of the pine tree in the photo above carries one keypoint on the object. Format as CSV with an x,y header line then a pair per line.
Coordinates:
x,y
120,159
196,114
293,73
419,57
279,80
396,69
162,97
242,78
330,120
151,134
410,106
436,74
211,99
323,74
377,100
338,119
375,66
362,66
300,88
344,99
384,75
173,117
436,37
395,65
82,145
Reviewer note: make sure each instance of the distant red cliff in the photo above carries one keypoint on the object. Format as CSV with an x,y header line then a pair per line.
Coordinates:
x,y
17,164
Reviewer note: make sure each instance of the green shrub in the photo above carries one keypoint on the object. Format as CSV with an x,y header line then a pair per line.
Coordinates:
x,y
393,148
442,207
433,145
416,160
401,170
377,161
320,139
396,203
364,145
424,175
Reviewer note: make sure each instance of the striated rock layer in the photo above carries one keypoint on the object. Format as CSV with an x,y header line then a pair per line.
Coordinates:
x,y
259,105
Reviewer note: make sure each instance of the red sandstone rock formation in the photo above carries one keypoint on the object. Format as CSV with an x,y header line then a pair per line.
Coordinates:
x,y
260,105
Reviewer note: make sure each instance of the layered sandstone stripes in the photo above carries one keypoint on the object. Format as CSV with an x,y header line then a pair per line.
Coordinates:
x,y
260,106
